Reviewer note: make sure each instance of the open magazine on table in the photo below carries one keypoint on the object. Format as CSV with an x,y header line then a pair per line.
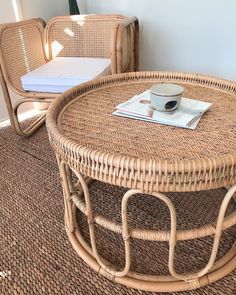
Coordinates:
x,y
187,115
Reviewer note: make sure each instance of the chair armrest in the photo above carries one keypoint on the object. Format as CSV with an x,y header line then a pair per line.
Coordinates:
x,y
132,52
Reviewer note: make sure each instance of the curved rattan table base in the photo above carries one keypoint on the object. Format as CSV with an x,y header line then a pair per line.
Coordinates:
x,y
154,283
77,196
150,159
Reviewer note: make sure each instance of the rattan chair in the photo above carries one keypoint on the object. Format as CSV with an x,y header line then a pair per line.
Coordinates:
x,y
26,45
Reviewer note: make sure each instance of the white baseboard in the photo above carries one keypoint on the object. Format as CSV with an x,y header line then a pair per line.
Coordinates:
x,y
3,119
4,122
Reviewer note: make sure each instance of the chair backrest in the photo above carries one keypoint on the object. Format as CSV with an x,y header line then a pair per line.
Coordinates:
x,y
21,50
83,35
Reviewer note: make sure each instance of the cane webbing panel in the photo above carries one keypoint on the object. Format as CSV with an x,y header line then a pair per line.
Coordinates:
x,y
91,133
21,49
84,36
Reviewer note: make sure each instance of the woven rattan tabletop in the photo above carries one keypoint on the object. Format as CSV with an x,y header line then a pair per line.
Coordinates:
x,y
134,153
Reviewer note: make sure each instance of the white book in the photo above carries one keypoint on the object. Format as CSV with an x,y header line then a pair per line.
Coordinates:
x,y
62,73
187,115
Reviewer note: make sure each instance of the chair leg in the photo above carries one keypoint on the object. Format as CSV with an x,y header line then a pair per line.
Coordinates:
x,y
13,110
34,126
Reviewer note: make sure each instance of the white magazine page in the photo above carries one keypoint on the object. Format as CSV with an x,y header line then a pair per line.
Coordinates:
x,y
188,111
191,125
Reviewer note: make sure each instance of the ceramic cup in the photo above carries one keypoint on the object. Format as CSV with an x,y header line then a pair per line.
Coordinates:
x,y
166,97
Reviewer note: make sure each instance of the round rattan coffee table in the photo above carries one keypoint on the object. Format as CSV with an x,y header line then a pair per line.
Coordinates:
x,y
91,143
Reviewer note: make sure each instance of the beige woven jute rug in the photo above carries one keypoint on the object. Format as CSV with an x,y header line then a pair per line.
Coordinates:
x,y
35,254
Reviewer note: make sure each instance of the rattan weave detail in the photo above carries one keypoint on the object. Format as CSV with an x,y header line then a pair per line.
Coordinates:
x,y
138,154
91,144
22,50
68,33
90,36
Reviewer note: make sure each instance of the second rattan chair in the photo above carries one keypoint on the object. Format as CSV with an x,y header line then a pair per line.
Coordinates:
x,y
27,45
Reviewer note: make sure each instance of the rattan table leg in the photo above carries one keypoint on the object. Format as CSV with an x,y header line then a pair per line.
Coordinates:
x,y
78,197
234,196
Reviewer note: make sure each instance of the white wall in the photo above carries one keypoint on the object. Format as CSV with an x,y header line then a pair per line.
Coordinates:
x,y
180,35
6,12
44,8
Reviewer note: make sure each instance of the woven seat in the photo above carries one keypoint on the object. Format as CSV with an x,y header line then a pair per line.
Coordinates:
x,y
27,45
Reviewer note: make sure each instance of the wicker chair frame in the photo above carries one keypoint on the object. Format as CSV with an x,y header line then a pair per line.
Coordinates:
x,y
27,45
140,174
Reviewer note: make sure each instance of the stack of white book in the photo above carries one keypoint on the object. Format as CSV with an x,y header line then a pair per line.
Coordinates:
x,y
63,73
187,115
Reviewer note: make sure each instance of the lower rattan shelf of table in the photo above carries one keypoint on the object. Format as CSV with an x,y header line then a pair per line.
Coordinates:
x,y
145,158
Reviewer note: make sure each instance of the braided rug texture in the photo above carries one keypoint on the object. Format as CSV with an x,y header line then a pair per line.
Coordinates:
x,y
35,254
